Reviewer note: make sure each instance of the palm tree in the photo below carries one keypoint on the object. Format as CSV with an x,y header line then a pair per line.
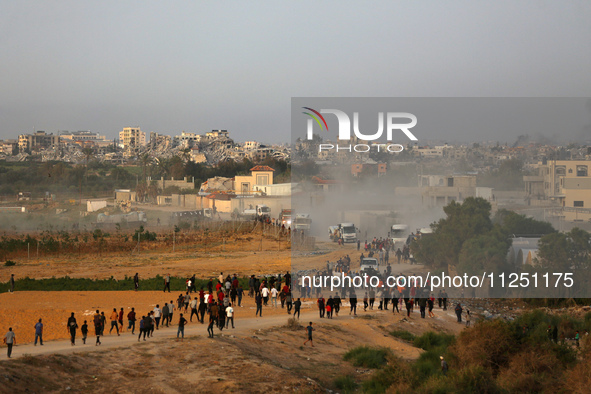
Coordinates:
x,y
145,161
88,152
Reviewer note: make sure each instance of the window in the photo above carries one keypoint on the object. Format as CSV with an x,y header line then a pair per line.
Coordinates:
x,y
581,170
578,203
570,170
450,182
262,179
560,170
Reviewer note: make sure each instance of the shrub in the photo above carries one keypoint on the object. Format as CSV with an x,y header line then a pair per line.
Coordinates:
x,y
404,335
9,263
397,372
431,341
488,344
532,370
346,383
293,324
365,356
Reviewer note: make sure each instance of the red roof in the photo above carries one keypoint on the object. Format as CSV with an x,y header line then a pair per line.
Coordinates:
x,y
261,168
321,181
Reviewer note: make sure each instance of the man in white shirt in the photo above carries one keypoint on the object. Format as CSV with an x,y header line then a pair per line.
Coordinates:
x,y
194,309
229,316
274,297
265,295
157,315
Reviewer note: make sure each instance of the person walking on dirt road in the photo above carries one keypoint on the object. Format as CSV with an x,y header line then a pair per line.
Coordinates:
x,y
9,340
39,332
72,327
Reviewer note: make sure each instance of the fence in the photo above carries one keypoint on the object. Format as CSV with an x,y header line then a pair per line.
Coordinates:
x,y
204,237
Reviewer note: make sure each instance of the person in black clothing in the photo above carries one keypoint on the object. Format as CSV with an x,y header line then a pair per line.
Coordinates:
x,y
330,302
336,304
353,301
148,326
444,299
97,327
459,312
84,331
202,309
422,306
212,320
72,326
181,330
296,308
136,281
287,278
259,302
289,302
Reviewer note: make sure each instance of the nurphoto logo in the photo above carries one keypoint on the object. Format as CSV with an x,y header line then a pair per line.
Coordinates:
x,y
344,129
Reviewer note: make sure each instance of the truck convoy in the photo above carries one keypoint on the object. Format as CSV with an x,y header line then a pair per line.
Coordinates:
x,y
346,232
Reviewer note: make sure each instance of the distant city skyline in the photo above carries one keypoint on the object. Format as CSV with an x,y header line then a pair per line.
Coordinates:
x,y
197,67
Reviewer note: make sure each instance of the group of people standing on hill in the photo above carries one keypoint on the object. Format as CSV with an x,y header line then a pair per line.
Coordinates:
x,y
271,289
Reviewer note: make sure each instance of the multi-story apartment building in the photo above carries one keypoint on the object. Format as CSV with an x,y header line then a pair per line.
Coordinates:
x,y
38,140
562,183
132,138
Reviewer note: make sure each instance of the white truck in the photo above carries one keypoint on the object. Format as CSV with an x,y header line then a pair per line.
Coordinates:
x,y
348,232
302,222
263,211
368,264
248,214
398,235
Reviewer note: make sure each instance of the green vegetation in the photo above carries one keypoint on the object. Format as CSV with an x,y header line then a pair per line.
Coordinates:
x,y
469,239
100,179
494,356
346,383
365,356
404,335
83,284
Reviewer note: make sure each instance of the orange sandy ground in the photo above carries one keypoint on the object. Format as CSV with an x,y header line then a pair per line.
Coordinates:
x,y
21,310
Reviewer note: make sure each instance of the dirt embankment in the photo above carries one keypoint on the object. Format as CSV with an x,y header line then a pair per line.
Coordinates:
x,y
261,355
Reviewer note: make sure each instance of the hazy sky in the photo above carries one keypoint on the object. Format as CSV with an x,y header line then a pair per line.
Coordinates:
x,y
197,66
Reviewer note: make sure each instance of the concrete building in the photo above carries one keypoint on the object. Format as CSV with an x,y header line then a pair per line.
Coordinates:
x,y
259,175
189,139
132,138
39,140
182,184
81,136
7,146
440,190
251,145
564,184
370,168
218,134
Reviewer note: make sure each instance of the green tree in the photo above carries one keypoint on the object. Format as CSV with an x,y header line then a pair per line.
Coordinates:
x,y
484,253
513,223
463,222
